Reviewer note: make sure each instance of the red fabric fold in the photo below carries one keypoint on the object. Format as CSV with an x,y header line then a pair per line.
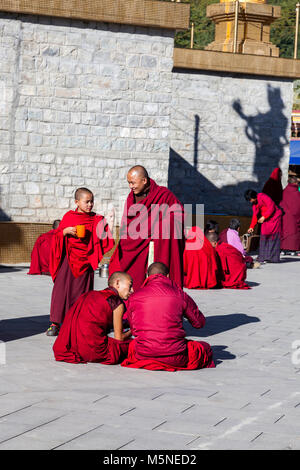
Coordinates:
x,y
151,220
199,356
81,253
200,265
40,255
233,266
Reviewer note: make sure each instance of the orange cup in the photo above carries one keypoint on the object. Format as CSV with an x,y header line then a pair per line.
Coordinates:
x,y
80,230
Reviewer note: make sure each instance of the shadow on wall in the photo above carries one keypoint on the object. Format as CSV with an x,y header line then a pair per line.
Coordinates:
x,y
268,133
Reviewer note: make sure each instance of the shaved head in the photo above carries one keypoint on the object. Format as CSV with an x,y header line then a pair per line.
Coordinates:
x,y
118,276
80,192
158,268
212,237
139,170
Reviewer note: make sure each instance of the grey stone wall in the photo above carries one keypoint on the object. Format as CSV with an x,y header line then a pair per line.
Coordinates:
x,y
228,132
80,104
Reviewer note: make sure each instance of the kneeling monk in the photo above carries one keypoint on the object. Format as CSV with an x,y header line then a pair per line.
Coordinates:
x,y
83,334
155,314
234,268
200,264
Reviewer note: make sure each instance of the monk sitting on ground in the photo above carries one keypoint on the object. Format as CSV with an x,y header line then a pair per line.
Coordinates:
x,y
83,335
40,255
155,314
199,262
233,238
234,269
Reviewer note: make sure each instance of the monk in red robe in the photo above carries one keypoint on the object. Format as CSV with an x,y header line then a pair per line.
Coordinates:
x,y
273,187
201,270
155,314
151,213
75,256
233,266
290,236
83,336
269,215
40,255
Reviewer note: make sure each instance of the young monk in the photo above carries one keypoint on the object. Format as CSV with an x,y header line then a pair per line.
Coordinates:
x,y
233,238
83,335
75,256
40,255
155,313
199,262
234,269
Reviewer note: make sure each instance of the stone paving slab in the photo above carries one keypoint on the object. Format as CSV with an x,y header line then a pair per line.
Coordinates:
x,y
251,400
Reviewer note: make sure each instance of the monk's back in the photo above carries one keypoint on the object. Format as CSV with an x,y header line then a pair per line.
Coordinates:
x,y
155,314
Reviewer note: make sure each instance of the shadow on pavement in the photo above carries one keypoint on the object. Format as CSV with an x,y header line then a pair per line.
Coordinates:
x,y
10,269
252,283
219,323
220,354
17,328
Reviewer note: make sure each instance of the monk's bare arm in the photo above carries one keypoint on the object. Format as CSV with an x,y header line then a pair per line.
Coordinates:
x,y
118,324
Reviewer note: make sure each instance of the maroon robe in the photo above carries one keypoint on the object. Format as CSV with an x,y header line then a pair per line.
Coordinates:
x,y
83,335
158,217
273,187
40,255
233,266
290,236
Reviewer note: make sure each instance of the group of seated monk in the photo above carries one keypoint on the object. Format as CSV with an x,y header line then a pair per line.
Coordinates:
x,y
216,261
156,338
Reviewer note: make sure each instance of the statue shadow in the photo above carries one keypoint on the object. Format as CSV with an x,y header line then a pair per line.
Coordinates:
x,y
268,134
16,328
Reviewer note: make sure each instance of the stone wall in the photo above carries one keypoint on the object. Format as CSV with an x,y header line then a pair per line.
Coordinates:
x,y
228,132
81,102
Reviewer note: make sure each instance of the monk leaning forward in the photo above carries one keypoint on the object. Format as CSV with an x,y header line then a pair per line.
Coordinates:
x,y
40,255
152,214
155,314
83,336
269,215
75,256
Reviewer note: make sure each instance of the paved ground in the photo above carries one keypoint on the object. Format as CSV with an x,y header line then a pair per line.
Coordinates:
x,y
251,400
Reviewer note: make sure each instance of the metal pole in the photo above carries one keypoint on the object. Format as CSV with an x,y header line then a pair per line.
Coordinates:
x,y
236,23
296,31
192,36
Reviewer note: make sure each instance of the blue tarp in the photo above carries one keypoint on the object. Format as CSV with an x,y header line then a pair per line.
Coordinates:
x,y
295,152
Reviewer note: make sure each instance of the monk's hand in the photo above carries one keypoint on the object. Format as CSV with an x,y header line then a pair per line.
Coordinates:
x,y
250,230
261,220
70,231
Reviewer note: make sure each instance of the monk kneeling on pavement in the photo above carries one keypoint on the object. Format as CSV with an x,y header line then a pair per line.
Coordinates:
x,y
155,314
83,336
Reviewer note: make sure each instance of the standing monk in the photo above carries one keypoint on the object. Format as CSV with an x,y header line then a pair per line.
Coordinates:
x,y
290,237
75,256
151,213
83,336
266,213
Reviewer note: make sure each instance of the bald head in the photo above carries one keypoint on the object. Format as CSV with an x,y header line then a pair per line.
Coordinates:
x,y
138,180
212,237
158,268
139,170
122,282
80,192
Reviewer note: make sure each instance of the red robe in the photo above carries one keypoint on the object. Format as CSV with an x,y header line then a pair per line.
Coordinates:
x,y
200,265
158,217
81,253
233,266
83,334
273,187
290,236
40,255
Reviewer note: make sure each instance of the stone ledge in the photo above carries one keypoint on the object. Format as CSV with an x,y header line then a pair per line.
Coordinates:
x,y
193,59
133,12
